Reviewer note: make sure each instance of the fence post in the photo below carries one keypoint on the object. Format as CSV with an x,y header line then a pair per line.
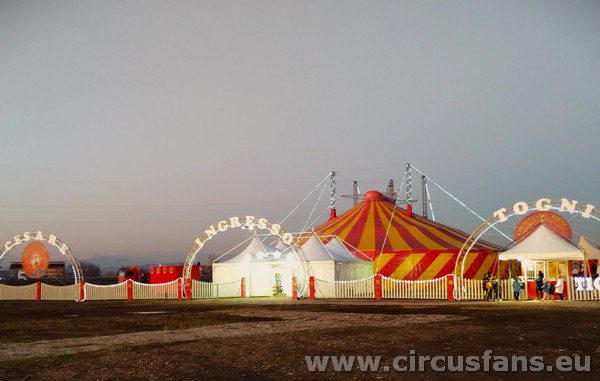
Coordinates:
x,y
243,282
38,291
311,288
179,290
450,286
82,290
377,281
294,289
129,289
188,289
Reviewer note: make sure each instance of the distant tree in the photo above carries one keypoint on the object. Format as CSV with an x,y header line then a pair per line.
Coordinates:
x,y
90,269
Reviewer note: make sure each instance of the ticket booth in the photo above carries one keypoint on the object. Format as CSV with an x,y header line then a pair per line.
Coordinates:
x,y
546,251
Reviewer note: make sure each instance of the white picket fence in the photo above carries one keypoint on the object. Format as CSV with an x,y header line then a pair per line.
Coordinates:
x,y
156,291
586,293
472,289
414,289
106,292
355,289
28,292
70,292
207,290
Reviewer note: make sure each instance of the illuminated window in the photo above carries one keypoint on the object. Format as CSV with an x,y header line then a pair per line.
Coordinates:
x,y
170,270
164,270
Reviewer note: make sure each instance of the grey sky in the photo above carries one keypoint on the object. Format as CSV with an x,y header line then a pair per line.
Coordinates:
x,y
128,127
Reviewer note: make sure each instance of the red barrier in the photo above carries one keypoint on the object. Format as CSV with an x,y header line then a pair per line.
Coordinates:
x,y
243,291
38,291
179,289
311,288
450,282
129,289
294,288
377,281
82,291
188,289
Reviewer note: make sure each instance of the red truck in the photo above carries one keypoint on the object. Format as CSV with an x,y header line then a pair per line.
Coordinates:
x,y
133,273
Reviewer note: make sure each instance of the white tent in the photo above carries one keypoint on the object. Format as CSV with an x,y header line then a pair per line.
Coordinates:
x,y
592,251
260,264
332,261
543,245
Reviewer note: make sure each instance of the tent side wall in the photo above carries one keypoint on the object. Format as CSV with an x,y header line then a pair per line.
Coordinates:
x,y
425,265
353,270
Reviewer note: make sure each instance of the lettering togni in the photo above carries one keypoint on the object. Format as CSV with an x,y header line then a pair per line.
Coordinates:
x,y
544,204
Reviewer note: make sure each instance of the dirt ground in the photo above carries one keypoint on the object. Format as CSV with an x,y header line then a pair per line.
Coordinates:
x,y
268,339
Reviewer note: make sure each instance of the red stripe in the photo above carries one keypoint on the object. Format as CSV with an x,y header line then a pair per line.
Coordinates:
x,y
420,267
389,268
475,266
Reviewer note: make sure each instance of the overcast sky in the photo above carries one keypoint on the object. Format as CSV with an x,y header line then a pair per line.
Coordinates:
x,y
128,127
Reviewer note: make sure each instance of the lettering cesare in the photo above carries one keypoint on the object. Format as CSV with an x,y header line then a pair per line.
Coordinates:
x,y
39,236
520,208
238,222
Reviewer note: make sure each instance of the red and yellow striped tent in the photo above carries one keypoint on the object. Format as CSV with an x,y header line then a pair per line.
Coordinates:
x,y
415,247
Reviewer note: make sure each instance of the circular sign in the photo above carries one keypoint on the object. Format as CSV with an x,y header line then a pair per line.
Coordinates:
x,y
554,221
35,260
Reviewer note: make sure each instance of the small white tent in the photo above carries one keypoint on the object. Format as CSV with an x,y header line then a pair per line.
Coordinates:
x,y
332,261
592,251
261,265
543,245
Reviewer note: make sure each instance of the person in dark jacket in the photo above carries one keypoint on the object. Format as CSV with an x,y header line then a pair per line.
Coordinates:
x,y
539,286
486,279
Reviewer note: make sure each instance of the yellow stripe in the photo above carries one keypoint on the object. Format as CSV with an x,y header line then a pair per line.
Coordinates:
x,y
367,240
406,266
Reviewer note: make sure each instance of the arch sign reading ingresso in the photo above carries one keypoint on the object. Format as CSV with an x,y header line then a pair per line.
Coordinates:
x,y
241,222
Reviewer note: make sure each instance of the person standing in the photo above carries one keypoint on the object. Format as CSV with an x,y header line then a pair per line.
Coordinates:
x,y
539,284
559,289
486,279
545,289
516,288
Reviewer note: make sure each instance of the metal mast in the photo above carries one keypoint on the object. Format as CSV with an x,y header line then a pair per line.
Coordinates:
x,y
332,211
424,194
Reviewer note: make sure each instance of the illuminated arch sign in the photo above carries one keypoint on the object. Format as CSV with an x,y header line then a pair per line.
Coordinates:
x,y
518,209
53,240
544,204
242,222
249,222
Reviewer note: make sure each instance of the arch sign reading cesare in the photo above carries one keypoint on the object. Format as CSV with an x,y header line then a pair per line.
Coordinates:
x,y
244,222
518,209
52,240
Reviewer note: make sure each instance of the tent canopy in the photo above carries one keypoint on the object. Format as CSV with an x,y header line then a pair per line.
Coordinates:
x,y
365,227
592,251
315,250
257,251
543,244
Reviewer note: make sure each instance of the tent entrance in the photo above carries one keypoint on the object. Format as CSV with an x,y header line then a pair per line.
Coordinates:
x,y
281,278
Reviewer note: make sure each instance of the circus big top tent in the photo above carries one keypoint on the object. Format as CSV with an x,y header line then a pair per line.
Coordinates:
x,y
413,247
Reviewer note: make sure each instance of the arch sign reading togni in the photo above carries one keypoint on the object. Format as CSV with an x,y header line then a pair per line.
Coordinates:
x,y
518,209
243,222
52,240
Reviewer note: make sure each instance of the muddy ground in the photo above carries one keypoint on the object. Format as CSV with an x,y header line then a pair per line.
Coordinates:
x,y
268,339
